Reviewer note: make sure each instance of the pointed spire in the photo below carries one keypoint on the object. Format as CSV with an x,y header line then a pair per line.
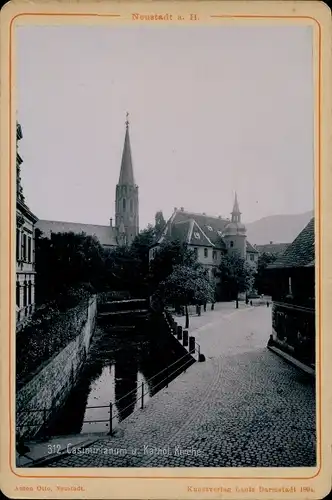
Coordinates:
x,y
126,172
236,214
236,209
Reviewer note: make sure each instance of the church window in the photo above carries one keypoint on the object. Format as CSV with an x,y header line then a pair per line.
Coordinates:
x,y
232,243
209,228
252,257
124,204
197,235
196,252
206,252
214,254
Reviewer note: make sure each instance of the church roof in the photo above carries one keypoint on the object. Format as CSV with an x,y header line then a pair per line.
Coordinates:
x,y
300,253
105,234
127,171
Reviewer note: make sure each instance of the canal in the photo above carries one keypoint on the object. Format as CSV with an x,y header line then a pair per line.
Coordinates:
x,y
119,360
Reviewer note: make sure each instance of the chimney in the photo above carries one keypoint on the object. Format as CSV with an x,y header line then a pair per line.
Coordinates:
x,y
219,216
182,209
204,213
175,209
111,222
271,242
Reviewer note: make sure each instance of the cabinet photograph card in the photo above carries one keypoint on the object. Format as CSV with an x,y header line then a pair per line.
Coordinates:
x,y
165,202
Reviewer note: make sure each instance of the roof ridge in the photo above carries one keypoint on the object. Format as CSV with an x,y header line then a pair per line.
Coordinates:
x,y
217,217
70,222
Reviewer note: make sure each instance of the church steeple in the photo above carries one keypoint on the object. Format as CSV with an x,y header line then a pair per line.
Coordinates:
x,y
127,172
236,214
126,200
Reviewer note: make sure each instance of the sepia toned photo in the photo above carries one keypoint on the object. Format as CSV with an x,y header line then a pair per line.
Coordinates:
x,y
149,335
167,248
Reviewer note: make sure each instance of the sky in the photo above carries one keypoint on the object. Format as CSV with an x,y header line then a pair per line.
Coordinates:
x,y
212,110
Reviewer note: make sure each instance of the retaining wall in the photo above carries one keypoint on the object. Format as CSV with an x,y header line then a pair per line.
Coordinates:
x,y
48,390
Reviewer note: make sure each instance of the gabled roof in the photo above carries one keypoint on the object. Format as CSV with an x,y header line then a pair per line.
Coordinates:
x,y
250,248
300,253
105,234
126,172
273,248
213,227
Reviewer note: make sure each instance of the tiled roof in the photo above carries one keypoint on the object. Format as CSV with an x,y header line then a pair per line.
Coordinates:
x,y
105,234
250,247
300,253
213,227
273,248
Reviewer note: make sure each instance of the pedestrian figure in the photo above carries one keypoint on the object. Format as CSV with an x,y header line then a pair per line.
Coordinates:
x,y
198,310
212,306
251,302
204,306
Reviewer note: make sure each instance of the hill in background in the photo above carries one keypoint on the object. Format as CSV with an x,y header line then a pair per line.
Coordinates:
x,y
277,228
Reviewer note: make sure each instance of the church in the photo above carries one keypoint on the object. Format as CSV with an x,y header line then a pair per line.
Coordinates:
x,y
126,225
210,237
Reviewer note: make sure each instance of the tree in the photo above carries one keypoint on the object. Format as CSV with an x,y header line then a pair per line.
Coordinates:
x,y
236,276
168,255
160,223
262,278
187,285
67,261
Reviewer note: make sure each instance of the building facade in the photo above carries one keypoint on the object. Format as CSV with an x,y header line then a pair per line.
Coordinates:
x,y
292,278
209,237
126,225
25,248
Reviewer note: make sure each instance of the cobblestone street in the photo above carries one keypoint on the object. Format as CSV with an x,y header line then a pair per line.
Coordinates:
x,y
243,406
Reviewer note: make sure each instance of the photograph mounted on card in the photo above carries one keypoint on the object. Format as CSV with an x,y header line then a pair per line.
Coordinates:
x,y
165,198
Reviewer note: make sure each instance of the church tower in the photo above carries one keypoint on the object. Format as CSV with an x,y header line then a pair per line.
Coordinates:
x,y
126,197
235,232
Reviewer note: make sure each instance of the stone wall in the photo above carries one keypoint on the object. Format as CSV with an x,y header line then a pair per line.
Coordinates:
x,y
38,400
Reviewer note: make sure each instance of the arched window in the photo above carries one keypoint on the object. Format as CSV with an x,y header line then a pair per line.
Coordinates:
x,y
232,243
124,204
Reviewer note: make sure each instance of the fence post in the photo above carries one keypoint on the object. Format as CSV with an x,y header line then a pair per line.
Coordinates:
x,y
179,330
142,397
192,345
111,419
44,422
185,338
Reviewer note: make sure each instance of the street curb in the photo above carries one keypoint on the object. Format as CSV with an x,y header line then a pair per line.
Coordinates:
x,y
292,361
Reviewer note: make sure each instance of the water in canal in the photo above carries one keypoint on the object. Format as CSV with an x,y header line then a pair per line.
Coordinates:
x,y
119,360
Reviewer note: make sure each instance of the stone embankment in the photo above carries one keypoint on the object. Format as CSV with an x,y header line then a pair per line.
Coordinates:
x,y
39,399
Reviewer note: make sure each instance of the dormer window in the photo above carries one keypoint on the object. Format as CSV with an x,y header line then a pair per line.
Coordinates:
x,y
209,228
197,235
